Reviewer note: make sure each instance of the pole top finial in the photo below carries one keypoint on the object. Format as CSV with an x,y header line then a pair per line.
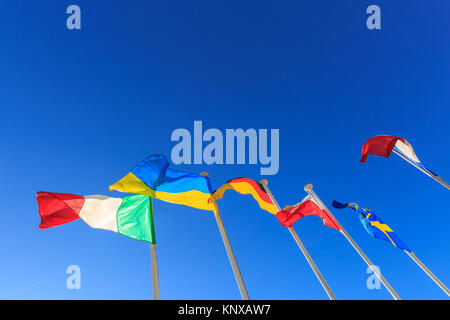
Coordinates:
x,y
264,181
204,174
309,186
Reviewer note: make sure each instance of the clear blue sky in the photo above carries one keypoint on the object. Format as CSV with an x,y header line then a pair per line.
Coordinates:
x,y
81,108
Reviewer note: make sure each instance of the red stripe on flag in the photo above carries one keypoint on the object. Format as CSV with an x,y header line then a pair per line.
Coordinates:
x,y
58,208
256,186
379,146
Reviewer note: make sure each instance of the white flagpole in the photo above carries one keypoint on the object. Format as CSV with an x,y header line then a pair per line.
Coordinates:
x,y
309,190
301,246
428,272
437,178
230,253
155,279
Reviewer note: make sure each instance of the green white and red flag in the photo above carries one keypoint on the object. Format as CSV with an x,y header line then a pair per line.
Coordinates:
x,y
131,216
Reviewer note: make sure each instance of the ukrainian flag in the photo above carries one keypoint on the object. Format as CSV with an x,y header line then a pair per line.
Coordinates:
x,y
373,224
152,177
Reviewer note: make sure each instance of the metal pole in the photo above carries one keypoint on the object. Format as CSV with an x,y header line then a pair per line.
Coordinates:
x,y
309,190
302,247
437,178
230,253
155,280
428,272
231,257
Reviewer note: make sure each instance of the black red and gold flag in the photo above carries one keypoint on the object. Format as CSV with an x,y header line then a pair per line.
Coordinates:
x,y
247,186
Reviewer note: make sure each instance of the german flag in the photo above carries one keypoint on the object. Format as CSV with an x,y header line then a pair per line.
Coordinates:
x,y
247,186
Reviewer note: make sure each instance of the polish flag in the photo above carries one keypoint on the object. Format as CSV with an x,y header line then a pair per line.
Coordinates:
x,y
307,207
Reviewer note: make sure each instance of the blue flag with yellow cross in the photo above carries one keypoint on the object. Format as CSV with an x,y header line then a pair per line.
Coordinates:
x,y
373,224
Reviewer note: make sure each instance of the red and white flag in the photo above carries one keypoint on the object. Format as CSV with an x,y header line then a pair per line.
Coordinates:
x,y
384,145
307,207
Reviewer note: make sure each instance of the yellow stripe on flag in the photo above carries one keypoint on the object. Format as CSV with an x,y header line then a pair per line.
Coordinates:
x,y
193,198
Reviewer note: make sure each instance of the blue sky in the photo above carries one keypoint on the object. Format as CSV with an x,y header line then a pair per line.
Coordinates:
x,y
80,108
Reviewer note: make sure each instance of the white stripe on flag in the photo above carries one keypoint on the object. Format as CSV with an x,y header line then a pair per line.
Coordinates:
x,y
100,212
407,150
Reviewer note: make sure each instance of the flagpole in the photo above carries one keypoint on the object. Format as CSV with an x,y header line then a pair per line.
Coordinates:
x,y
301,246
428,272
230,253
155,278
154,272
309,189
437,178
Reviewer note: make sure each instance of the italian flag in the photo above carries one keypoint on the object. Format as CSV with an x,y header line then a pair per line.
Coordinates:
x,y
131,216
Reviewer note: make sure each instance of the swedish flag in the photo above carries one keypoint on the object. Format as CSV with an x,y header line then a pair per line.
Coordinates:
x,y
373,224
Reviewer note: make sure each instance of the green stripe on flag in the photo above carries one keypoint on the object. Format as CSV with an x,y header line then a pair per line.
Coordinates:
x,y
135,218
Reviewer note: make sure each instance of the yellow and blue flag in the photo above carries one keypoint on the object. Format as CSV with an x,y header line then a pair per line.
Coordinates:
x,y
152,177
373,224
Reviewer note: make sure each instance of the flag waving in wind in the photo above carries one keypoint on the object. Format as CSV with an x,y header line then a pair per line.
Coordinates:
x,y
131,216
153,177
380,146
383,146
307,207
373,224
247,186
